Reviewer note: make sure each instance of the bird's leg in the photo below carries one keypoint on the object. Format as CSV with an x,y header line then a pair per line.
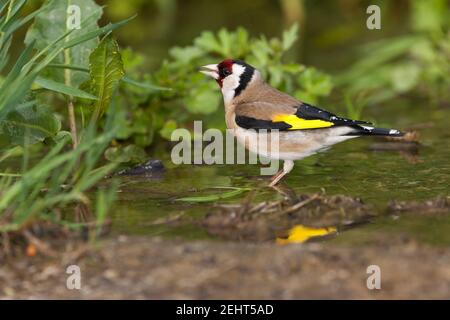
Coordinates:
x,y
287,167
276,175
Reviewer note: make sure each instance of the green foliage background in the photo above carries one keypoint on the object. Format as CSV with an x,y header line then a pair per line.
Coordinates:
x,y
122,88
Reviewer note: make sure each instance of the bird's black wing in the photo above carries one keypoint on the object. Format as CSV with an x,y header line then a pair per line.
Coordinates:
x,y
309,112
270,116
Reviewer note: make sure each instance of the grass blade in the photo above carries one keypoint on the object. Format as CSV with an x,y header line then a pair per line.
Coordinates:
x,y
64,89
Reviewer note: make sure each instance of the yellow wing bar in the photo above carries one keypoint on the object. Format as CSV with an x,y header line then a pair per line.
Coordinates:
x,y
297,123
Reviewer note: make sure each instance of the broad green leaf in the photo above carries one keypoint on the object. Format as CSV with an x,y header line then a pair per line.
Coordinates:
x,y
185,55
29,124
64,89
208,42
241,43
276,75
106,70
50,24
226,41
315,82
136,124
203,99
261,51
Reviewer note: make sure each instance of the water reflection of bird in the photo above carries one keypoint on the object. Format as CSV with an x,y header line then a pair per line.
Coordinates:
x,y
303,129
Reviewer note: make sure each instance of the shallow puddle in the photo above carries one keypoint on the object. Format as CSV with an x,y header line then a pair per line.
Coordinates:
x,y
148,206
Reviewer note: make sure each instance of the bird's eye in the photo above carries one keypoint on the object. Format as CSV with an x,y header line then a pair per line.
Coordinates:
x,y
225,72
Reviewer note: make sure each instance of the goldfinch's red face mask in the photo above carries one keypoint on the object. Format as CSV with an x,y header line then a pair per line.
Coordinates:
x,y
219,71
233,76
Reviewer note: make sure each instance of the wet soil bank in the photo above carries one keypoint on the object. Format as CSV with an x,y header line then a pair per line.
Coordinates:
x,y
155,268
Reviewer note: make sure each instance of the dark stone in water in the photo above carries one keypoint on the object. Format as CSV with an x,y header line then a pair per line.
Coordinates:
x,y
148,168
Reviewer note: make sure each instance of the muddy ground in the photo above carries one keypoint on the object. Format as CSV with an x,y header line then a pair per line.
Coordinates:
x,y
143,268
247,263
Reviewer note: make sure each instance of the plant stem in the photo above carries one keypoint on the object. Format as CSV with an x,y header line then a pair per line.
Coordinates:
x,y
70,107
294,12
4,174
73,123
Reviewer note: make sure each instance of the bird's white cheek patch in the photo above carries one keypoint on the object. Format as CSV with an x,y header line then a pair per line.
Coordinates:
x,y
229,84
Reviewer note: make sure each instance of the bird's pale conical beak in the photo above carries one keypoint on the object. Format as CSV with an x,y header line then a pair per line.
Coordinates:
x,y
210,70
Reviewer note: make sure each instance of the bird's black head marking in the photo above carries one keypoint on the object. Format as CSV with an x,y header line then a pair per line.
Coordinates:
x,y
245,78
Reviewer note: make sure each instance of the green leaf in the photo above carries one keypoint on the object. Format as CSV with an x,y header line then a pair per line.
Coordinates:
x,y
167,129
10,23
28,124
106,70
11,152
132,60
128,154
376,55
203,99
215,197
262,52
289,37
125,79
64,89
144,85
95,33
68,66
305,96
430,15
293,68
226,41
276,75
404,77
241,42
185,55
314,82
50,24
208,42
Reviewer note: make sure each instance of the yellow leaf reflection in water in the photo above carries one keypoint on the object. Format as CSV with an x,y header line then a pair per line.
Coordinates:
x,y
300,234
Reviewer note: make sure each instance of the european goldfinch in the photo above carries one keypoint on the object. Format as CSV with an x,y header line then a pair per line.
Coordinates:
x,y
251,103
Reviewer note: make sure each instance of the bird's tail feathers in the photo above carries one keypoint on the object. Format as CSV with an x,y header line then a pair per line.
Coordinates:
x,y
362,130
